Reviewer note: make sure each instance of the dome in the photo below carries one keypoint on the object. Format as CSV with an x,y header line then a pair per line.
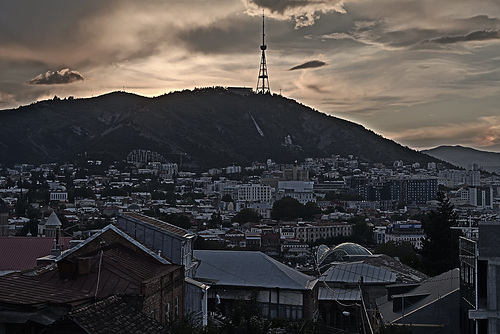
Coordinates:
x,y
340,253
349,249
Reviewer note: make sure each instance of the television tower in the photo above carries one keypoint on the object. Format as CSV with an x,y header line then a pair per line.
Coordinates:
x,y
263,80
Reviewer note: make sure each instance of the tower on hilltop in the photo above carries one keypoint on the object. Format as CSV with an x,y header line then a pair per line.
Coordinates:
x,y
263,80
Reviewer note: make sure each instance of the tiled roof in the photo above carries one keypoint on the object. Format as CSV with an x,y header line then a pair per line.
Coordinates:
x,y
115,315
17,288
20,253
119,270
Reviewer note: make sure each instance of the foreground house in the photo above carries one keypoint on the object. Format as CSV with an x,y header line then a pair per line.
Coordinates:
x,y
279,290
108,263
426,306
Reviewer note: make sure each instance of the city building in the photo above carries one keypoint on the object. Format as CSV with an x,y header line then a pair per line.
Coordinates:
x,y
479,280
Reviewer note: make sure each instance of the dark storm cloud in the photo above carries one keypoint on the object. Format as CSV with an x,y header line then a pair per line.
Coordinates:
x,y
64,76
281,6
481,35
309,64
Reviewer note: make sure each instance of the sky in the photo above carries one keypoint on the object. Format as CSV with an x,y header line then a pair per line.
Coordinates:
x,y
422,73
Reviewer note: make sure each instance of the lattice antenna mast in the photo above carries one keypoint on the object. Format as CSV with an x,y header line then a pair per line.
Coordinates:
x,y
263,80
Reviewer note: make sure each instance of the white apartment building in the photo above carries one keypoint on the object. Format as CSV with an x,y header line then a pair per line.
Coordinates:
x,y
254,193
481,197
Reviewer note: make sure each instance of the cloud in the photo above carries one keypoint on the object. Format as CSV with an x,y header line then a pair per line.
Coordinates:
x,y
481,35
309,64
303,12
64,76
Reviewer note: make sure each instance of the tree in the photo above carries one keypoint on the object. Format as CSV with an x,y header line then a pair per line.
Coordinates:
x,y
405,251
246,216
287,208
311,209
215,220
362,232
440,251
226,198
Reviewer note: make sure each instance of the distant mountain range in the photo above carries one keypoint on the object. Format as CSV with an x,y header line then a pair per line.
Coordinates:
x,y
464,156
207,127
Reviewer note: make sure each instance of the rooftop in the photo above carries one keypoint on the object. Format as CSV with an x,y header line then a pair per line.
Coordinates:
x,y
159,224
20,253
248,269
114,314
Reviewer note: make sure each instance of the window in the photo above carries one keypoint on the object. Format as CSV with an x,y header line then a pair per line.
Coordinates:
x,y
167,312
176,307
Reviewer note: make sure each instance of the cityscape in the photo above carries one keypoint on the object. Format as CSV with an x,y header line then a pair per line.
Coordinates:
x,y
123,214
321,222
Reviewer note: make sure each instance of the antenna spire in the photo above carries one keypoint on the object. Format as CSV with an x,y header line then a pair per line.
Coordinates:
x,y
263,79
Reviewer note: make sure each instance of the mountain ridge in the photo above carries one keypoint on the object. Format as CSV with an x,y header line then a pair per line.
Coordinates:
x,y
211,127
463,156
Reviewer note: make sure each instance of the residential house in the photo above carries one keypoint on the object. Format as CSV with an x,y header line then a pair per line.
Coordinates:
x,y
279,290
108,263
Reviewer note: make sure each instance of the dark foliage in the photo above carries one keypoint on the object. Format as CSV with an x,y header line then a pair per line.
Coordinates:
x,y
289,208
405,251
246,216
440,250
211,127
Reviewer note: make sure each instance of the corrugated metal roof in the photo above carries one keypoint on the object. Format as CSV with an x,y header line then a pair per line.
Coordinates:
x,y
160,224
20,253
123,235
249,269
352,273
327,293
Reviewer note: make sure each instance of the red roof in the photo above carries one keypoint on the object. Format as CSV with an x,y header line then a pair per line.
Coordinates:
x,y
20,253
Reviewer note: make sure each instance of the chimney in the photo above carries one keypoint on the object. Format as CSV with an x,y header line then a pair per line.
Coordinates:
x,y
56,250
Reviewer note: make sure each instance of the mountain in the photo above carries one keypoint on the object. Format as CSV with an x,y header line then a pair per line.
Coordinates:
x,y
464,156
209,127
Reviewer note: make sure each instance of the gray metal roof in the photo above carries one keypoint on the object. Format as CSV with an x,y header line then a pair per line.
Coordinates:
x,y
249,269
53,220
352,273
164,226
327,293
123,235
430,291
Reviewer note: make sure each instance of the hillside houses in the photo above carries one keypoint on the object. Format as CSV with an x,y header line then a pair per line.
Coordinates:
x,y
163,218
